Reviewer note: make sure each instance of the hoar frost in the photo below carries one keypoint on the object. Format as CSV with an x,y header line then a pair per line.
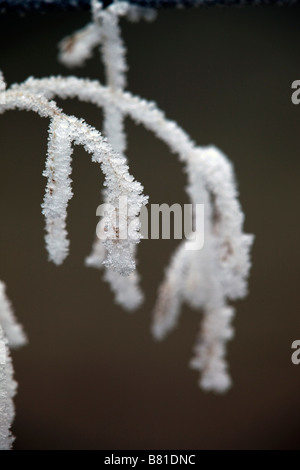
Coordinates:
x,y
205,279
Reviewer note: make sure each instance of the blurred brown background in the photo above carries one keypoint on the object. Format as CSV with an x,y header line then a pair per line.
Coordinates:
x,y
92,377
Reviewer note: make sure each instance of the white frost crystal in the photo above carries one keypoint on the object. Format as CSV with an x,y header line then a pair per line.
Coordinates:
x,y
11,335
218,271
7,391
113,51
12,330
210,349
58,190
74,50
118,181
206,278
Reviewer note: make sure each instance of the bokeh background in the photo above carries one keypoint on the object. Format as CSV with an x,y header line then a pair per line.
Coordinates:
x,y
92,377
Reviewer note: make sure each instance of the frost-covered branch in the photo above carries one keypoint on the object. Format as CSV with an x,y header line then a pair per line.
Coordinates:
x,y
7,391
213,166
141,111
117,179
204,278
105,32
58,189
11,335
74,50
12,330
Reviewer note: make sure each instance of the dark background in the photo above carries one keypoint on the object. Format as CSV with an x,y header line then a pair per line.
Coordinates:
x,y
92,377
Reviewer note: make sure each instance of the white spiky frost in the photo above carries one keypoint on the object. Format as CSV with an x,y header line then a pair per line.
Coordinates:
x,y
74,50
210,350
7,391
205,278
97,255
170,293
208,277
105,32
226,252
2,82
113,51
13,331
11,335
140,110
112,46
58,189
126,289
119,183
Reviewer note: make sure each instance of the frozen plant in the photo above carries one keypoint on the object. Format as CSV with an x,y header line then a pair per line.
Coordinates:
x,y
207,277
11,336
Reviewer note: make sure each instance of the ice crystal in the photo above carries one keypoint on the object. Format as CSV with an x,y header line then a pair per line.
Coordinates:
x,y
220,269
11,335
7,392
205,277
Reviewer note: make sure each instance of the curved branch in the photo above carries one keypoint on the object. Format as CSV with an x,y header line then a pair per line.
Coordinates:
x,y
7,391
211,164
141,111
11,336
215,168
117,178
12,330
203,278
